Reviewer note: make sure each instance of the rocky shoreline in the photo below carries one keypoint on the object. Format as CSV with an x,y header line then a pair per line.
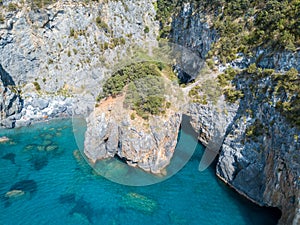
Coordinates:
x,y
49,58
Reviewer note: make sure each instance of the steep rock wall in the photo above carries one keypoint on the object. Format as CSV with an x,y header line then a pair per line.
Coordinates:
x,y
65,50
265,170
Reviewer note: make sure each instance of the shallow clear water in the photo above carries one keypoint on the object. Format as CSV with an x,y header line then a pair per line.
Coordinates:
x,y
60,188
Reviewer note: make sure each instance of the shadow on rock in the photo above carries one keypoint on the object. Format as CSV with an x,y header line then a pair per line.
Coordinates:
x,y
5,77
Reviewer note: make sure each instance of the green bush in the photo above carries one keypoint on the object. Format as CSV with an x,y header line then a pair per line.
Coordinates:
x,y
168,105
75,51
102,25
132,116
146,30
252,68
210,64
1,18
37,86
233,95
38,4
12,7
255,130
72,32
144,88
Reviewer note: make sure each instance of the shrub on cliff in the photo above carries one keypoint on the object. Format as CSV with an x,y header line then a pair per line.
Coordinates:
x,y
115,84
12,7
143,85
1,18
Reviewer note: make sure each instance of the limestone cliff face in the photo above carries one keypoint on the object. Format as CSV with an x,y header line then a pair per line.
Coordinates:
x,y
264,168
190,30
206,119
148,145
281,61
263,164
66,49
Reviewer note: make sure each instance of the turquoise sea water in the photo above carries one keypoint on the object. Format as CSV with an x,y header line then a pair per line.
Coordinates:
x,y
60,187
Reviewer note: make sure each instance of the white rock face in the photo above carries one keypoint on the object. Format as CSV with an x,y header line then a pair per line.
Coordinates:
x,y
63,50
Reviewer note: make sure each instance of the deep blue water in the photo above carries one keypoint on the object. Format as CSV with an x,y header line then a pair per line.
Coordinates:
x,y
60,187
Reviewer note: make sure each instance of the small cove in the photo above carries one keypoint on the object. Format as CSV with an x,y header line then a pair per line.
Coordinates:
x,y
59,187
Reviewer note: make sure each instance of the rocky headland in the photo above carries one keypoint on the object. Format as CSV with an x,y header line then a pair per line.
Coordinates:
x,y
147,144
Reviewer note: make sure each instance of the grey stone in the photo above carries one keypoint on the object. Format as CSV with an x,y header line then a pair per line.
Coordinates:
x,y
40,103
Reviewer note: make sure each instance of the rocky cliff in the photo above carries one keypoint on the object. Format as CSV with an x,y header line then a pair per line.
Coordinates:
x,y
59,55
260,153
147,144
65,50
264,165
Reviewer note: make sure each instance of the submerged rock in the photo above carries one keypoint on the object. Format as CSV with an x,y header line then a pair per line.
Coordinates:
x,y
25,186
14,194
46,142
83,209
20,190
112,169
30,147
67,198
51,148
39,161
139,202
11,157
46,136
40,148
4,139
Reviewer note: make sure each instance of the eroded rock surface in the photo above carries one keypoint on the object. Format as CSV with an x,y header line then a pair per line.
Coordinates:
x,y
265,168
146,144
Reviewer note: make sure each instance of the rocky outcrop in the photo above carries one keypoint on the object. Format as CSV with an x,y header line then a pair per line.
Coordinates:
x,y
148,145
262,165
41,108
205,119
190,30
